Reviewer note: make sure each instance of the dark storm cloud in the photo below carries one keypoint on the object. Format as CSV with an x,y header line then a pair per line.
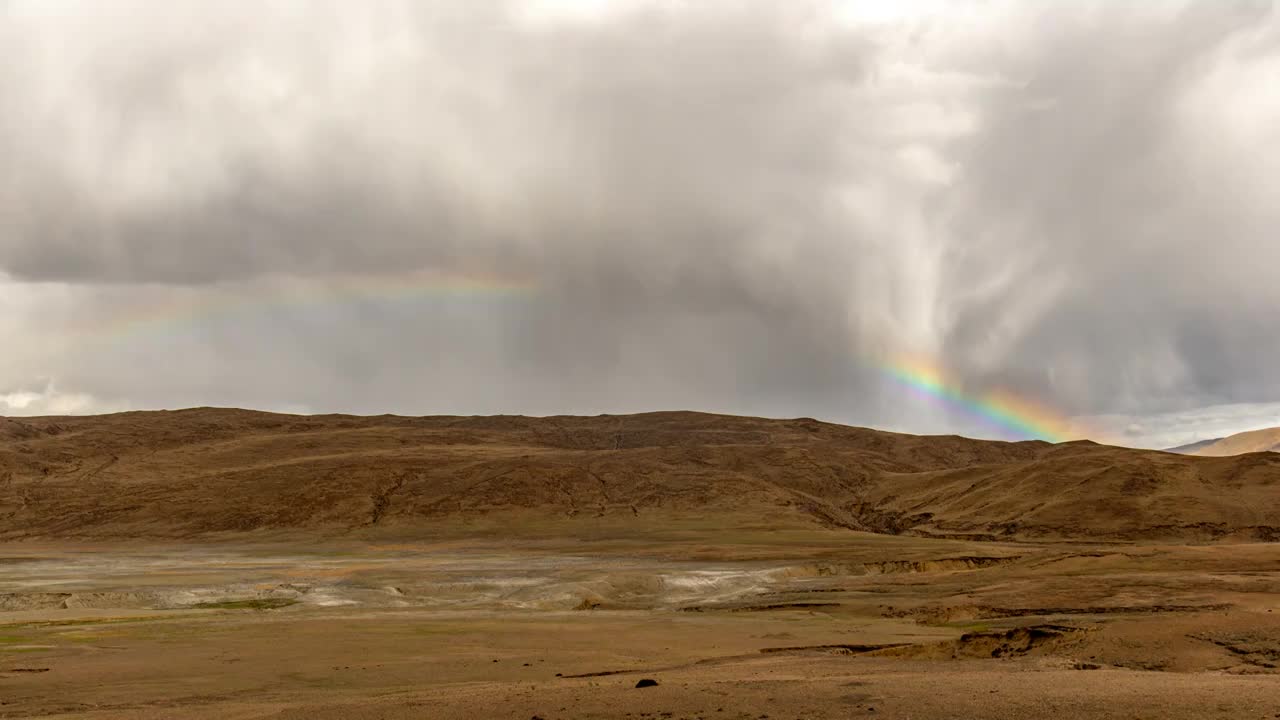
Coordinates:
x,y
178,147
1126,179
733,206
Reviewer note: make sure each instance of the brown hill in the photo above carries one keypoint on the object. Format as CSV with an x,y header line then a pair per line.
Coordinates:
x,y
1267,440
195,472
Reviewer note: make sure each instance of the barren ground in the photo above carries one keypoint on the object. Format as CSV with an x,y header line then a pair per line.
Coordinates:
x,y
228,564
788,624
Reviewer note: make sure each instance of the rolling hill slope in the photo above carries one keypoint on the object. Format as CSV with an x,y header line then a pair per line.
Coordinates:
x,y
204,471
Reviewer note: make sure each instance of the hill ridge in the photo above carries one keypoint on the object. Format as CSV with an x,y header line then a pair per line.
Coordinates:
x,y
203,471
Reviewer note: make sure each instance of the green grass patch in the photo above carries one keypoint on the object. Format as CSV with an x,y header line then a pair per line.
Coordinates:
x,y
87,636
251,604
86,621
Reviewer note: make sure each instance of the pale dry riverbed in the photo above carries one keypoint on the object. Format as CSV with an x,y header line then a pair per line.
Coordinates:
x,y
830,626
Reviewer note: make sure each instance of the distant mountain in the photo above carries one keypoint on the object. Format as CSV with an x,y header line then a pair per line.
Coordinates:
x,y
1193,448
1246,442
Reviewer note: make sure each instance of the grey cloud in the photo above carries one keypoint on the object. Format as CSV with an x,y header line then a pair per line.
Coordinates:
x,y
249,147
729,206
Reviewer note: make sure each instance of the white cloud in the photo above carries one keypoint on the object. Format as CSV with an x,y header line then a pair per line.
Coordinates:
x,y
49,400
1166,430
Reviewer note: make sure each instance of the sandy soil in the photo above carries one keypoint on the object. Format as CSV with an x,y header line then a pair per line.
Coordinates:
x,y
824,624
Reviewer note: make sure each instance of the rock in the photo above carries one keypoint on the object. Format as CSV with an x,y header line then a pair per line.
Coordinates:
x,y
646,682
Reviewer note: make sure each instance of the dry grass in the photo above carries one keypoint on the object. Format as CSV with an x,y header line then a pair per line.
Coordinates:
x,y
208,473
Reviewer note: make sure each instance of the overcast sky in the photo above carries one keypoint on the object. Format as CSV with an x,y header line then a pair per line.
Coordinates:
x,y
464,206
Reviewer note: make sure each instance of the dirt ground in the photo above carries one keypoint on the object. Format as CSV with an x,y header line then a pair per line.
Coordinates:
x,y
822,624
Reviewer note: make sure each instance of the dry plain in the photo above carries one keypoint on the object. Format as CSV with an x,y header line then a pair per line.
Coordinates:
x,y
222,564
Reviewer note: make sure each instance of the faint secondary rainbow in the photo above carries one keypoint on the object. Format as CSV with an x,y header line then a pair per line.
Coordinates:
x,y
999,408
179,308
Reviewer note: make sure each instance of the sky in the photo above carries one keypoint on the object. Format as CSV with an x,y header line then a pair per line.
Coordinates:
x,y
1061,215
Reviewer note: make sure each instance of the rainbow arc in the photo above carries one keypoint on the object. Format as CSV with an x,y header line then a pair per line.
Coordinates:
x,y
185,305
1001,409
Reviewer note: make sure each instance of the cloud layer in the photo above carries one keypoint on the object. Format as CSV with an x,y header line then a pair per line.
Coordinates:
x,y
728,205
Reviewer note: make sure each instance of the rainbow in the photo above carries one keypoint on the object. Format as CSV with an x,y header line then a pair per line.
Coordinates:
x,y
1014,416
177,307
